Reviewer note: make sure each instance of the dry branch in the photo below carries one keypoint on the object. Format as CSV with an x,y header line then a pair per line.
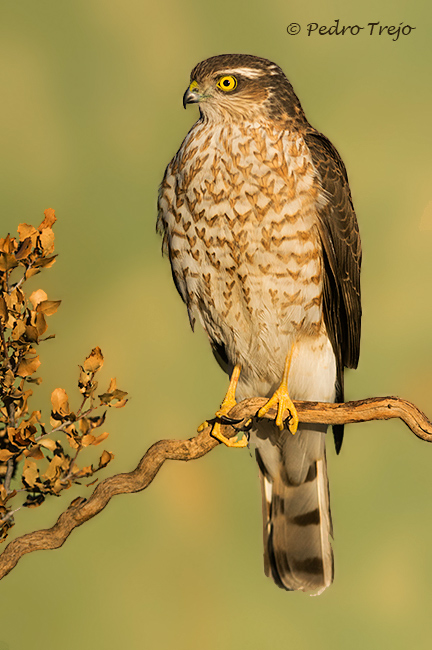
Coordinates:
x,y
81,510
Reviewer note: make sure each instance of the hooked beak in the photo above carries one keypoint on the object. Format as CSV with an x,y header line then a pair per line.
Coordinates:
x,y
192,94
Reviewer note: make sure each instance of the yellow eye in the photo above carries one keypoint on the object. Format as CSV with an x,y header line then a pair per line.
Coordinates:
x,y
227,83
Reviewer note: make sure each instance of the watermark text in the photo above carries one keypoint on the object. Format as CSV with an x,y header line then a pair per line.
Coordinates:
x,y
374,29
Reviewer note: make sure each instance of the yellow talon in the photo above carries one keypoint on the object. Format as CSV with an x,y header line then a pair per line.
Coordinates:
x,y
283,401
229,442
228,403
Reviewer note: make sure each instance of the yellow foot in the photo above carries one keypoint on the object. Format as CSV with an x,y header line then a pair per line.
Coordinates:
x,y
228,403
229,442
283,401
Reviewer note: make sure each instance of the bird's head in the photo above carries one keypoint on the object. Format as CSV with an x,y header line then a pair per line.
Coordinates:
x,y
242,87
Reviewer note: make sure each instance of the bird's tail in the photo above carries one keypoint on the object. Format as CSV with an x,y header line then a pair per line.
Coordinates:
x,y
296,508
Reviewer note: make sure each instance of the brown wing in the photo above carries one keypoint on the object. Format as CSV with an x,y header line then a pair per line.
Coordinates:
x,y
342,259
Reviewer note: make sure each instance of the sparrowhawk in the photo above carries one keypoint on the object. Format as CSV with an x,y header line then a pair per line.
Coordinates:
x,y
259,226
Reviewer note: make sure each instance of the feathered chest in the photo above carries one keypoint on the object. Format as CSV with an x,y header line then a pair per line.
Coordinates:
x,y
238,209
239,182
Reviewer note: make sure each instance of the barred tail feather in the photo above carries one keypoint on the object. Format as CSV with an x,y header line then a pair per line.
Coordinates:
x,y
296,521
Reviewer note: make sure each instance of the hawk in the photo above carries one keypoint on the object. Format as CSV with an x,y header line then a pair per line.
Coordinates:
x,y
259,226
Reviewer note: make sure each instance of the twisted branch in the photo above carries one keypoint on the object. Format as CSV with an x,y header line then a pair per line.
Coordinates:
x,y
81,510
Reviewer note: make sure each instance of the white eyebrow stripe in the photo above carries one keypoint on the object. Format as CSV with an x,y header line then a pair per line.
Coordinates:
x,y
250,73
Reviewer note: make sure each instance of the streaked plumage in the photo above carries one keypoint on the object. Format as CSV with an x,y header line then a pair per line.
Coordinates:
x,y
259,226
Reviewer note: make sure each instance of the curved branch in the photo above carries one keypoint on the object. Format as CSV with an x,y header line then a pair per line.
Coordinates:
x,y
81,510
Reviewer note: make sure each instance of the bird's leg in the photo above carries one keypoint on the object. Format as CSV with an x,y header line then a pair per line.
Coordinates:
x,y
283,401
228,403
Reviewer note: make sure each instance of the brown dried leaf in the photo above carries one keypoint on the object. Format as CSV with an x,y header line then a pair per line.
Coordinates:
x,y
40,324
3,309
35,453
84,378
49,220
55,468
97,420
112,386
119,394
84,425
18,330
94,361
48,307
47,240
114,393
48,443
25,231
120,404
21,408
24,250
73,442
5,527
87,440
31,272
44,262
14,302
59,401
18,297
7,245
37,297
61,484
31,333
80,473
34,500
106,458
28,366
5,454
22,435
34,417
98,439
9,379
7,262
30,473
10,322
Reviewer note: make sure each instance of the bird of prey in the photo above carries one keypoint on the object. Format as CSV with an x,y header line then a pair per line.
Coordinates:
x,y
259,226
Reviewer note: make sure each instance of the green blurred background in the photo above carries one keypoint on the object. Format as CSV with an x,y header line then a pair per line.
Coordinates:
x,y
90,116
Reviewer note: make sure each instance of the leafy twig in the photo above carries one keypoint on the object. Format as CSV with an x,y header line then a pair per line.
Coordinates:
x,y
23,436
